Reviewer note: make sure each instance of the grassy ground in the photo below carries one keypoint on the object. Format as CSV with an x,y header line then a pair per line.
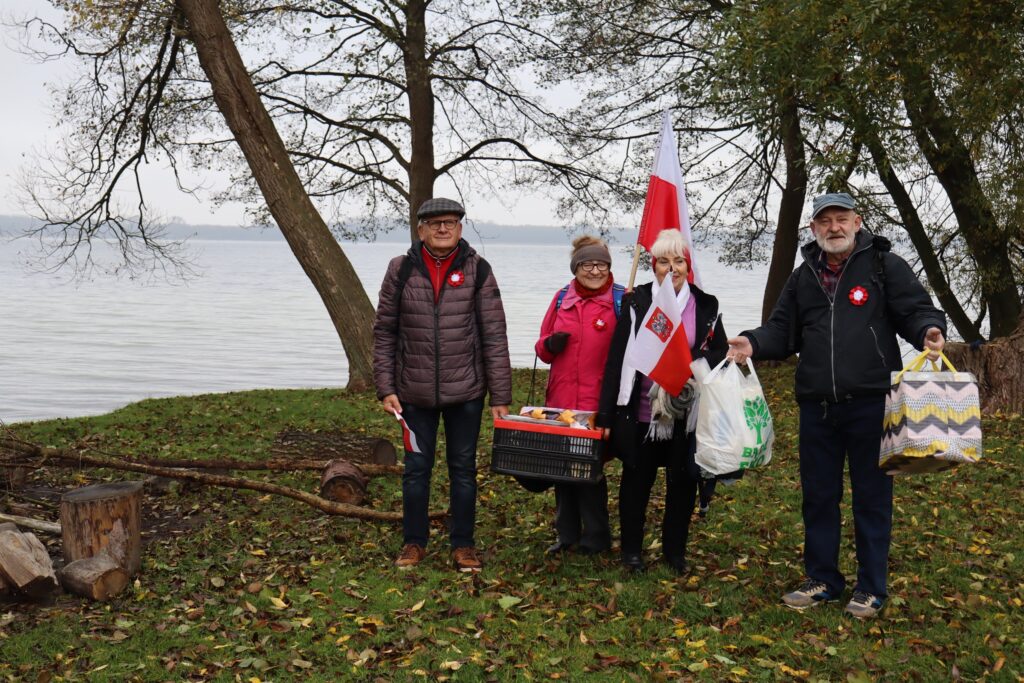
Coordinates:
x,y
249,587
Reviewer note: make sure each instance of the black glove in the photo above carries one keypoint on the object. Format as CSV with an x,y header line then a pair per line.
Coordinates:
x,y
555,344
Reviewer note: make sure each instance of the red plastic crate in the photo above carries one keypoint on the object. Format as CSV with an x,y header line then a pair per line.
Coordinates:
x,y
550,452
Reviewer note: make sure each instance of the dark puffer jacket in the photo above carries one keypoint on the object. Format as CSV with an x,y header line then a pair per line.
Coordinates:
x,y
846,349
434,355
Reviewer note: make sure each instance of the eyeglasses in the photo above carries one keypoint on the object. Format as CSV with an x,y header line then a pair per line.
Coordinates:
x,y
592,266
438,223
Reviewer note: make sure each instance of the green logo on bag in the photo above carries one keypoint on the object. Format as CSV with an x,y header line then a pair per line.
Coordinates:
x,y
753,457
755,412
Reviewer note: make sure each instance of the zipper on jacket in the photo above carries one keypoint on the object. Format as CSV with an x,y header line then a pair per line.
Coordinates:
x,y
877,347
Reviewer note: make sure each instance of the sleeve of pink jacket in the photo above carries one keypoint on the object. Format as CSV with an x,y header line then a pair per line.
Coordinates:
x,y
546,328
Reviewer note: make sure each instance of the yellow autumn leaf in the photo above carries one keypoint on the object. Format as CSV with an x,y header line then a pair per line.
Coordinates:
x,y
278,603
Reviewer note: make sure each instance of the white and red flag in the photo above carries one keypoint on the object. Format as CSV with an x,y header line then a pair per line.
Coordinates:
x,y
665,206
408,436
660,349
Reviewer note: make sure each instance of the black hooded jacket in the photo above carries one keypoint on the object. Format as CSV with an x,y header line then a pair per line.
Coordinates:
x,y
848,345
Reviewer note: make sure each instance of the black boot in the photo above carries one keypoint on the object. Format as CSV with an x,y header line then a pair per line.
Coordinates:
x,y
633,562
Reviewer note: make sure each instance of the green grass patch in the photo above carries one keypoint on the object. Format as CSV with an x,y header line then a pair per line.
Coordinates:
x,y
240,586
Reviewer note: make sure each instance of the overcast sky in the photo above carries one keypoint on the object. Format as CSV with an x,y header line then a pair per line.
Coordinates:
x,y
28,125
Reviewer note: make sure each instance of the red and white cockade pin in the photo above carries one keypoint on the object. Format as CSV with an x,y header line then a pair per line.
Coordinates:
x,y
456,278
599,324
858,296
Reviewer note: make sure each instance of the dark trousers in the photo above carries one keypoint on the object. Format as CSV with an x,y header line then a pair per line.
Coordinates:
x,y
462,429
581,515
635,493
829,435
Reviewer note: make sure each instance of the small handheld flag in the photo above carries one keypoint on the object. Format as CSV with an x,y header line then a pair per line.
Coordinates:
x,y
408,436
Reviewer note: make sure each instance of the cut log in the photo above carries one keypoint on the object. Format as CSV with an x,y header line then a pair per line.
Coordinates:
x,y
336,445
25,564
99,577
344,482
13,477
88,516
30,523
998,366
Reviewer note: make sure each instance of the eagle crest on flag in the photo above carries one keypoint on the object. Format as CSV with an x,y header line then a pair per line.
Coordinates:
x,y
660,325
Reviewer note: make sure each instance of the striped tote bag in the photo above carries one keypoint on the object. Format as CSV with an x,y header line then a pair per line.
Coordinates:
x,y
932,419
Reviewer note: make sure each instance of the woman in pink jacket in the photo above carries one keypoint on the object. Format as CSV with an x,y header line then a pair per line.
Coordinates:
x,y
574,339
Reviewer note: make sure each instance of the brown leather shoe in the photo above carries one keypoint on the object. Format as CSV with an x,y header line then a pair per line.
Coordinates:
x,y
410,556
466,560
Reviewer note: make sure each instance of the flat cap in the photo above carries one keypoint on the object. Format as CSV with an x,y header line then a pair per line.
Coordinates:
x,y
439,206
840,200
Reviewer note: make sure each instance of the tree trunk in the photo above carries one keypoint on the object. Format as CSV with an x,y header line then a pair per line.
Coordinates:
x,y
999,366
787,232
343,482
331,445
922,243
90,517
99,577
421,110
319,254
951,161
25,565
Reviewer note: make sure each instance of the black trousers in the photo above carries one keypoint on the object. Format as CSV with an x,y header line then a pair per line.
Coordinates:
x,y
635,492
581,515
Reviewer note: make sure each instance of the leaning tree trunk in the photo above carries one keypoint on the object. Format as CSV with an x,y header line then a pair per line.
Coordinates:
x,y
787,232
301,224
999,366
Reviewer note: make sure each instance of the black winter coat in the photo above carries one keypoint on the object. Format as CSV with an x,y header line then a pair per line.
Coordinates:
x,y
709,342
847,349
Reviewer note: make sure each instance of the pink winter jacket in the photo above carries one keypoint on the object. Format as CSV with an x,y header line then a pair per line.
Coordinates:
x,y
576,372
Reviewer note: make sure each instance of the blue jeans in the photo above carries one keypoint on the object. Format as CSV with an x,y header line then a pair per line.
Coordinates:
x,y
831,434
462,429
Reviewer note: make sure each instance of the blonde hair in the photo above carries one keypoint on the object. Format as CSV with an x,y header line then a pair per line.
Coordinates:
x,y
669,243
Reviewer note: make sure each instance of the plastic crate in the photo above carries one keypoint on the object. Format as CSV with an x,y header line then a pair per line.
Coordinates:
x,y
547,451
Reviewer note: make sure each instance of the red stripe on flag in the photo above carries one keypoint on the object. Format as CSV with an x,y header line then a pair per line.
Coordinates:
x,y
661,211
673,368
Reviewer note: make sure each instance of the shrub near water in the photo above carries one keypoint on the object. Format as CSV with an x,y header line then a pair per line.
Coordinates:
x,y
240,586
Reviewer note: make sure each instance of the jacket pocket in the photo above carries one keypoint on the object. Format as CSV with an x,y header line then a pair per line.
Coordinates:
x,y
878,346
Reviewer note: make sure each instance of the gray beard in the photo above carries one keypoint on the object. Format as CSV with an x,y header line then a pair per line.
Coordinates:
x,y
833,248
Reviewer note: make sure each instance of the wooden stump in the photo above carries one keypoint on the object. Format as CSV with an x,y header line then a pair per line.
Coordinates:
x,y
343,482
25,566
90,514
99,577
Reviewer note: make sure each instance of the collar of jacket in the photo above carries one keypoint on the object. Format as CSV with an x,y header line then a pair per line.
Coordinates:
x,y
416,254
811,251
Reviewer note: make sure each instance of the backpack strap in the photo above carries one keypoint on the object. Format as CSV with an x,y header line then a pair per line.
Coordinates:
x,y
617,293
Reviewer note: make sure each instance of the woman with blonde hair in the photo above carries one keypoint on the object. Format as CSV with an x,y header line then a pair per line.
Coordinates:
x,y
647,426
574,339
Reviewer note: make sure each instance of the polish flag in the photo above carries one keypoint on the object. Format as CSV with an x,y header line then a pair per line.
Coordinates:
x,y
660,349
665,207
408,436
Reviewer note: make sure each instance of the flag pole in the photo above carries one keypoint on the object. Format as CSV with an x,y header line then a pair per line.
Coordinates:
x,y
636,262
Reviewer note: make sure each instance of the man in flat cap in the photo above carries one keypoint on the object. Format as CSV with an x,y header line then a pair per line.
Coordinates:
x,y
841,311
439,346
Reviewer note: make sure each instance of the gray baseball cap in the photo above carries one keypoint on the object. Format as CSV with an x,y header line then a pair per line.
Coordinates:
x,y
439,206
839,200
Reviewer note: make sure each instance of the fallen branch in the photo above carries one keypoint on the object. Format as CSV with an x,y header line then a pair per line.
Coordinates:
x,y
322,504
29,523
280,465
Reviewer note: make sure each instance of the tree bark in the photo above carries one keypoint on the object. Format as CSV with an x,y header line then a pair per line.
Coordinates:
x,y
29,523
301,224
922,244
344,482
420,92
998,366
331,445
951,161
90,517
787,231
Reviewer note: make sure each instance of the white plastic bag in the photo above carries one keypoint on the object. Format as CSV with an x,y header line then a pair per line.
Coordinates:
x,y
734,426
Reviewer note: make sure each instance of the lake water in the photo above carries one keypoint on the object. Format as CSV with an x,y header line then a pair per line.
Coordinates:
x,y
250,320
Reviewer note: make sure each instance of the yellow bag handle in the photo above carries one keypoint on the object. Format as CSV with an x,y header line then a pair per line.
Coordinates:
x,y
919,361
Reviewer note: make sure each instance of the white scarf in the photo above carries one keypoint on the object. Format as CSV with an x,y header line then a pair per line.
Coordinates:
x,y
628,375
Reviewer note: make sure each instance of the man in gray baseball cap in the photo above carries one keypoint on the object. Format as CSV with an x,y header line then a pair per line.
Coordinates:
x,y
841,311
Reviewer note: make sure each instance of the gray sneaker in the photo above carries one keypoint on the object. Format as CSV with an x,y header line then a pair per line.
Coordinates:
x,y
809,594
864,605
